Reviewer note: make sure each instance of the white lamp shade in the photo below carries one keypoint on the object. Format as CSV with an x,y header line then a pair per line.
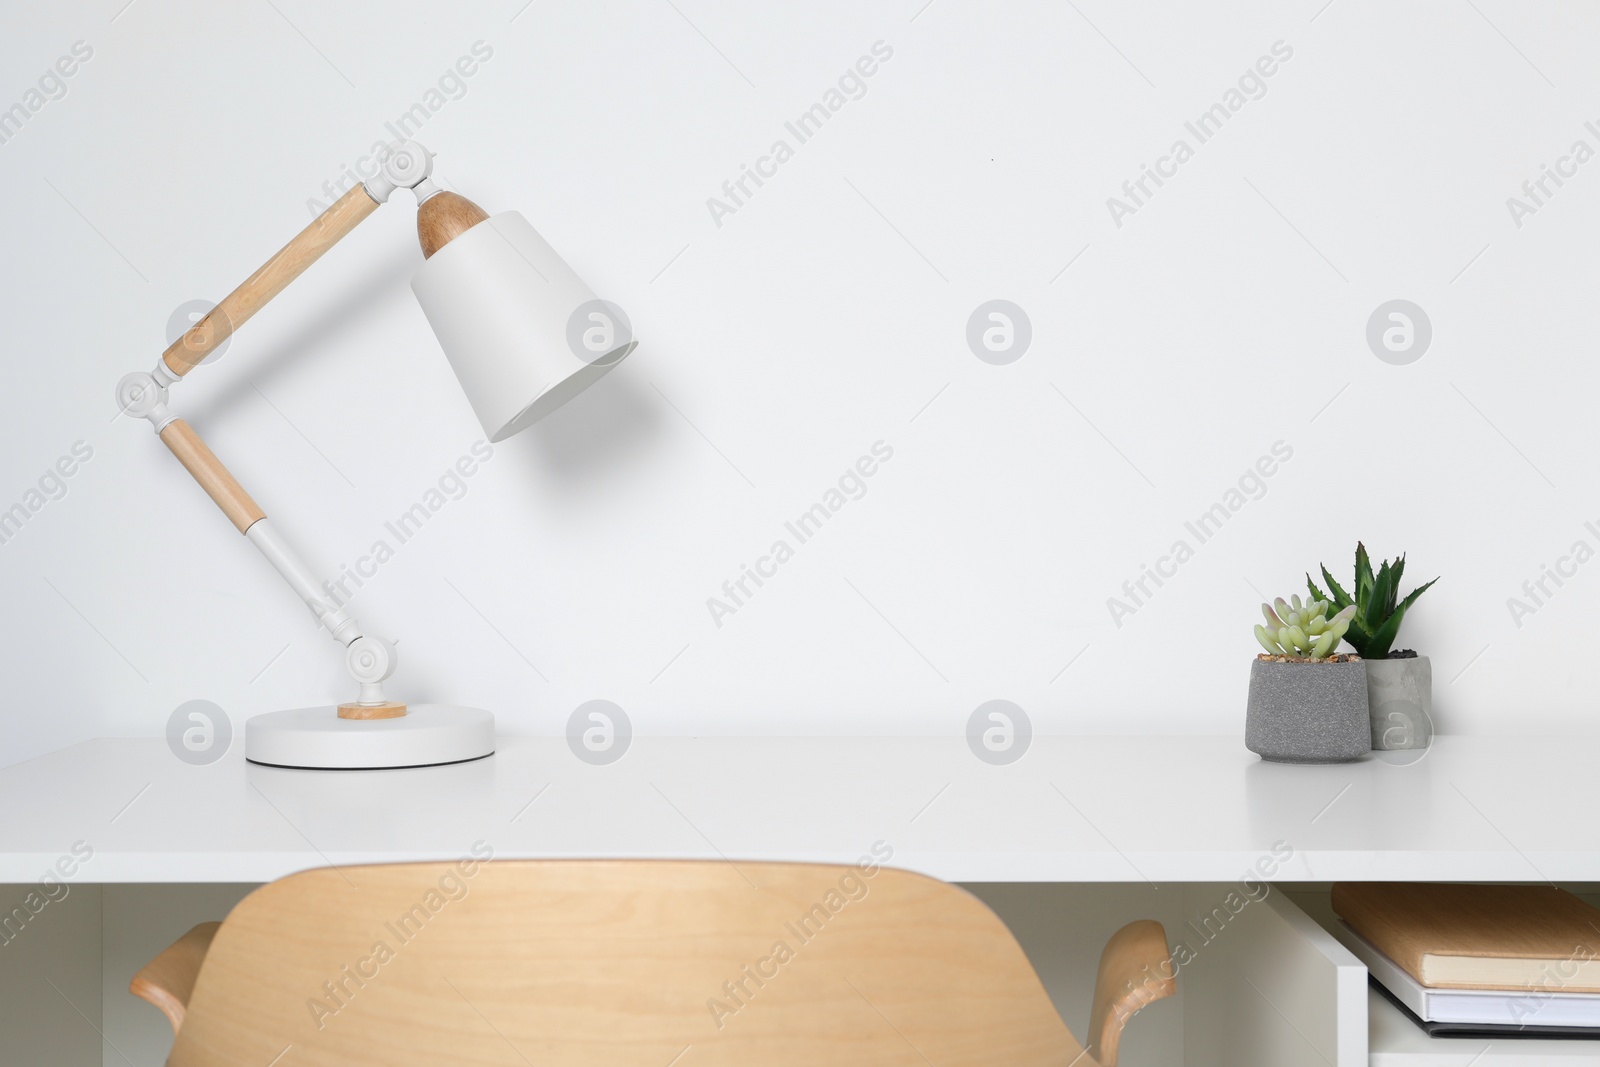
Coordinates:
x,y
522,331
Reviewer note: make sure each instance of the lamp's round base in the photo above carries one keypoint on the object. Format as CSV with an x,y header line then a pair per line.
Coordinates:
x,y
318,739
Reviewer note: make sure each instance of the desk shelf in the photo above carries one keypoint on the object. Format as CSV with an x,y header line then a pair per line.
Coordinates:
x,y
1393,1040
1396,1041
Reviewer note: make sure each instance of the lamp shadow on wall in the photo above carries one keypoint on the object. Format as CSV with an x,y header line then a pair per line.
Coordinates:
x,y
345,316
591,437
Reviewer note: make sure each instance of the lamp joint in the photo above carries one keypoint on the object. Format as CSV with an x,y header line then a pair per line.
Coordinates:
x,y
408,165
143,394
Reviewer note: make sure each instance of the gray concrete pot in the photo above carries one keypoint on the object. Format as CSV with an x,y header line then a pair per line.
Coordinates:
x,y
1302,712
1400,697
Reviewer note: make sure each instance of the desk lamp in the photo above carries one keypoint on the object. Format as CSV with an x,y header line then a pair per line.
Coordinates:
x,y
524,335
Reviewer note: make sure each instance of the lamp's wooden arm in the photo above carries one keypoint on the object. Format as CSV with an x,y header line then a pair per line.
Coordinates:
x,y
168,980
309,244
218,482
1135,969
325,231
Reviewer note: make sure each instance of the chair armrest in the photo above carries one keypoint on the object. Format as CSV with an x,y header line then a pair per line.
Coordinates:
x,y
1135,969
168,980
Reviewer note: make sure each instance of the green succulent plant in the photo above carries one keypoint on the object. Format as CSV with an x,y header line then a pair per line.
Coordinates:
x,y
1377,614
1302,630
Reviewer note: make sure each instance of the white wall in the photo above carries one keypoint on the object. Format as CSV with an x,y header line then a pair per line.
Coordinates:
x,y
828,313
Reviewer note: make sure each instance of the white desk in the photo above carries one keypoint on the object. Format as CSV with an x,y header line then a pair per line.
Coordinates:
x,y
1162,823
1164,809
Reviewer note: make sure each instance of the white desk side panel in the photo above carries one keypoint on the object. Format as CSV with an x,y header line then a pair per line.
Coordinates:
x,y
1269,988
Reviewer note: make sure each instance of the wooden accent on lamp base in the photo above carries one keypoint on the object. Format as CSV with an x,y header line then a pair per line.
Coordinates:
x,y
388,710
443,217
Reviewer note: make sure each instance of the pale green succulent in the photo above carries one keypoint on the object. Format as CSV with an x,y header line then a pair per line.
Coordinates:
x,y
1302,630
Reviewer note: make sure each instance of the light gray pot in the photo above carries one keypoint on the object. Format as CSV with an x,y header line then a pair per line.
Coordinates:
x,y
1308,712
1400,697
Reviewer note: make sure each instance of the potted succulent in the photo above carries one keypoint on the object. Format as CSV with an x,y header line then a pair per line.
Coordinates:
x,y
1308,703
1399,682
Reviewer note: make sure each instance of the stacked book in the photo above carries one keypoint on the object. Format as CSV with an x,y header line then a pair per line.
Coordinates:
x,y
1478,960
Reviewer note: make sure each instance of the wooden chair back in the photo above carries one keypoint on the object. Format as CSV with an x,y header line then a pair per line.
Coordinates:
x,y
578,963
